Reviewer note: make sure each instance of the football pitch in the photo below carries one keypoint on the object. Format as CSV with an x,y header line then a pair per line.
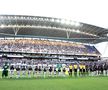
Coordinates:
x,y
69,83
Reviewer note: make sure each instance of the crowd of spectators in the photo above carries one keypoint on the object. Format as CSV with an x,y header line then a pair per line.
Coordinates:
x,y
47,46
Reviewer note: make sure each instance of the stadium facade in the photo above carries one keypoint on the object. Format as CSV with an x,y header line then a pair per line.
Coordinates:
x,y
47,38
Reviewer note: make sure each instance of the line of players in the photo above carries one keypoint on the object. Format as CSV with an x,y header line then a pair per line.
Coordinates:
x,y
58,70
91,69
35,70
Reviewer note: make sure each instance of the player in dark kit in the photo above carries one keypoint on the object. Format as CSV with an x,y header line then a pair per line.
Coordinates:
x,y
105,69
17,71
5,70
64,70
99,69
59,71
35,71
87,70
11,71
23,71
29,71
50,71
45,71
91,70
55,71
40,69
95,69
83,70
102,69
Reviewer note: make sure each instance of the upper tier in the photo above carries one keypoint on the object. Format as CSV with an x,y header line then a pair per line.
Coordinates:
x,y
47,46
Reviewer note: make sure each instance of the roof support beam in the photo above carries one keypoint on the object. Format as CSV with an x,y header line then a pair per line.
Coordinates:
x,y
16,29
68,34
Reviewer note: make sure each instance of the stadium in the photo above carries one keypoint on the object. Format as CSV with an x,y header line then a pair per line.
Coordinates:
x,y
61,50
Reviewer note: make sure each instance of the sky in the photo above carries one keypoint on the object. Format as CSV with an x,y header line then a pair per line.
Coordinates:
x,y
103,48
93,12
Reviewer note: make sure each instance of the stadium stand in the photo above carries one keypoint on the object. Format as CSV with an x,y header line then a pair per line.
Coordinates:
x,y
46,46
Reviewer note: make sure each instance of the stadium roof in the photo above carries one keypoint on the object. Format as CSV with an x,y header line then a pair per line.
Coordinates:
x,y
48,27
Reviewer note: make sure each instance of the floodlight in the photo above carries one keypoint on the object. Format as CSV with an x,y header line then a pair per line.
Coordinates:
x,y
67,22
2,25
15,17
1,17
73,30
57,20
72,23
77,24
52,19
63,21
27,17
78,31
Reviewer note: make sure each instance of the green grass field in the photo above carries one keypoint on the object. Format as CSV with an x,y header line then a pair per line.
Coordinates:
x,y
53,83
85,83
